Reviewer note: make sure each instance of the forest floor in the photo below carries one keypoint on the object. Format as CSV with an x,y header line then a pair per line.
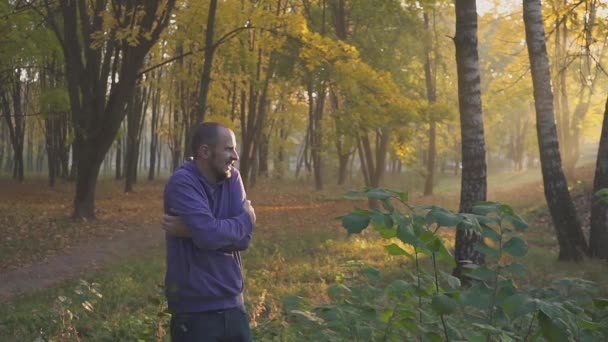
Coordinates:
x,y
43,246
299,245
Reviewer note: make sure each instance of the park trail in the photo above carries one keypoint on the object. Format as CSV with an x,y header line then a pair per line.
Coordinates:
x,y
72,262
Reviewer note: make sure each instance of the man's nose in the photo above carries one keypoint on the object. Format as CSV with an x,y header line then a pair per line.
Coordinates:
x,y
235,156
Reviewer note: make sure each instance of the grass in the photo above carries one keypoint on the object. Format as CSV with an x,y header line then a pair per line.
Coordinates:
x,y
298,249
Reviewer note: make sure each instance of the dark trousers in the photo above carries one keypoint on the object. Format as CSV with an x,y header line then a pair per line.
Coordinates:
x,y
229,325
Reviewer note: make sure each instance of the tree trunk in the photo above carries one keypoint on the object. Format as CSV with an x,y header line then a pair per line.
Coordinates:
x,y
11,101
135,119
374,160
431,95
2,146
119,157
567,225
343,159
598,238
316,105
201,105
154,122
263,156
473,180
86,182
430,166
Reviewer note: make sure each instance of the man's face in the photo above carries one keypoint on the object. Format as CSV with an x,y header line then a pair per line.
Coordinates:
x,y
223,155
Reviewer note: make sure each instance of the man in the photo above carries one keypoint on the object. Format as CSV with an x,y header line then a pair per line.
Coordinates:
x,y
208,220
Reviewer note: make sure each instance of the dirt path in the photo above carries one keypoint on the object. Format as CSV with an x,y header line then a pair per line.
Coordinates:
x,y
69,264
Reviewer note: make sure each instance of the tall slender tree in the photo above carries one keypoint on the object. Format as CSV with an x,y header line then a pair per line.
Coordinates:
x,y
474,187
598,238
571,240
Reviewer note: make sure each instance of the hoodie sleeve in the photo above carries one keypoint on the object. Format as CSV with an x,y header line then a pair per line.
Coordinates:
x,y
239,193
192,205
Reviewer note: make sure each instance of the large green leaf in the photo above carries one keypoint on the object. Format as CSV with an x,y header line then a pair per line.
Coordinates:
x,y
486,250
403,196
519,305
393,249
453,282
443,305
482,273
516,221
516,246
379,194
552,329
488,232
485,208
442,217
355,222
381,220
477,296
405,233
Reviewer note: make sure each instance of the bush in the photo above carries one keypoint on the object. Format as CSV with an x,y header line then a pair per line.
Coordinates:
x,y
429,304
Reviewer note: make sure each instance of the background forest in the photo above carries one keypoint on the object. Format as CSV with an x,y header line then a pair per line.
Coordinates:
x,y
448,103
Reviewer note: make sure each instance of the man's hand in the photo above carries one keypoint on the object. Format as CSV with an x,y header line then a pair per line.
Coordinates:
x,y
249,209
174,225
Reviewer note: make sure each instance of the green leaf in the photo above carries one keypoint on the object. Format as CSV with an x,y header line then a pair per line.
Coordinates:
x,y
398,288
388,205
482,273
385,316
516,269
453,282
405,233
403,196
490,233
550,329
336,291
295,303
379,194
355,222
381,220
600,303
587,325
486,250
433,337
443,305
516,246
393,249
516,221
306,316
442,217
477,296
519,305
485,208
372,273
506,209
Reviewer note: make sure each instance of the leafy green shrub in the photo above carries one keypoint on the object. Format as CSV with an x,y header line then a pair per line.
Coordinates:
x,y
429,304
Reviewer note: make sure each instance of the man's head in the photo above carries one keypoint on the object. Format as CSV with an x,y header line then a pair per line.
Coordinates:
x,y
214,150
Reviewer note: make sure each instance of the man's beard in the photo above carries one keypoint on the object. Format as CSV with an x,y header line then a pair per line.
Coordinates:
x,y
220,173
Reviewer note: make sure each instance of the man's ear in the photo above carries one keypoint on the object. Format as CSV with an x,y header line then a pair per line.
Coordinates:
x,y
204,151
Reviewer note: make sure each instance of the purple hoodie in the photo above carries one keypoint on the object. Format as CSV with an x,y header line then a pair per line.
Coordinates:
x,y
204,272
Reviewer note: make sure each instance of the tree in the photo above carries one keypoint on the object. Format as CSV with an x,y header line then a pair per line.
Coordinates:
x,y
474,187
13,93
565,219
104,45
598,237
136,114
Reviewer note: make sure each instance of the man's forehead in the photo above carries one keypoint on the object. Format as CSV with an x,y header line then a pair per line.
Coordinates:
x,y
227,136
